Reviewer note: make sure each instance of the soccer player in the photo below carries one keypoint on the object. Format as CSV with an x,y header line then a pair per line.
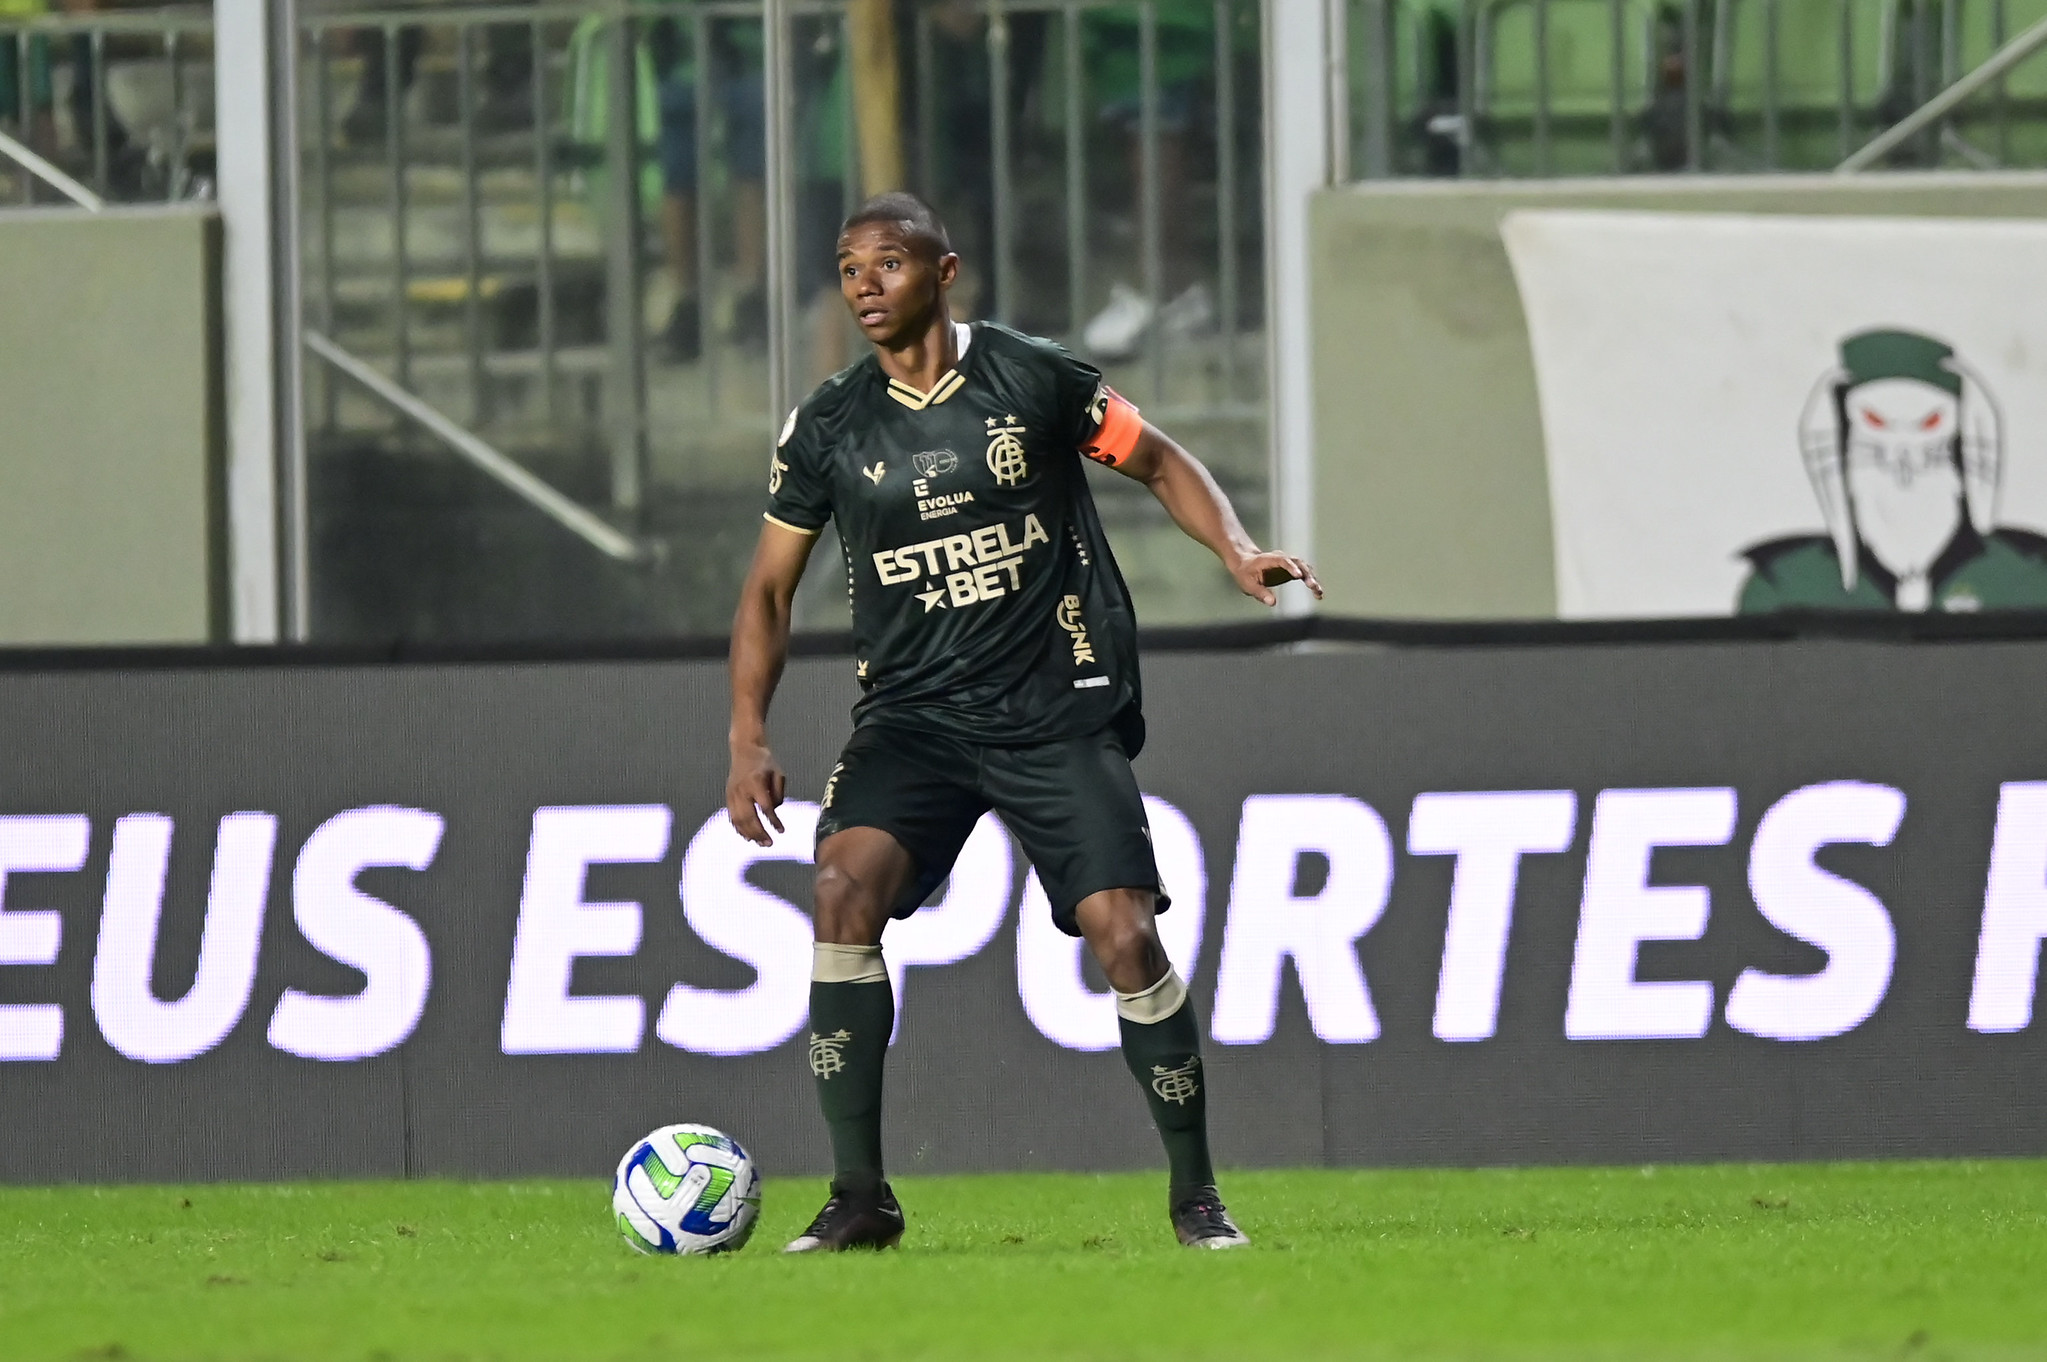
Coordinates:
x,y
997,651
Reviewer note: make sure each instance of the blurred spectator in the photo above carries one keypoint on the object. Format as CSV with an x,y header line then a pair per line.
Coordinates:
x,y
963,187
26,102
121,87
504,101
1667,124
1186,47
733,69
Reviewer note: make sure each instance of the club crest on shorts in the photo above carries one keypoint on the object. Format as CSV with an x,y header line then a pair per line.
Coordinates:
x,y
1006,451
827,1053
1177,1086
934,463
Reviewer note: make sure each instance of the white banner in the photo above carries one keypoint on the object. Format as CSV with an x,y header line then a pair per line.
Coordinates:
x,y
1749,413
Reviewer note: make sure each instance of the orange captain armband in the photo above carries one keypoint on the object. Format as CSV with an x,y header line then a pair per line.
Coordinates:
x,y
1118,428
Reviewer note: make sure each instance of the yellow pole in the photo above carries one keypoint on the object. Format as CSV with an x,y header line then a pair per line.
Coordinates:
x,y
877,95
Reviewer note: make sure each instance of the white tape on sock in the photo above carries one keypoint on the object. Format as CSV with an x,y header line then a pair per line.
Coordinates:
x,y
1156,1003
830,964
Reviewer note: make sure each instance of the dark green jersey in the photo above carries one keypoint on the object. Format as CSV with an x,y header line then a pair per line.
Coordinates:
x,y
986,604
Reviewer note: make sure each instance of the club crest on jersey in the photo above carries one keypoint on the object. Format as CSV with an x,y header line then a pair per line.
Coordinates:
x,y
1006,451
933,463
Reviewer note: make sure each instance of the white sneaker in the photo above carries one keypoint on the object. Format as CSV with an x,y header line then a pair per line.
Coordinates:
x,y
1190,314
1115,332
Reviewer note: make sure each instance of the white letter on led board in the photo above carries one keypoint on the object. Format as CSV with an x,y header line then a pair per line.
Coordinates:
x,y
1488,831
132,1018
360,931
1839,916
1621,910
35,844
2014,912
756,928
556,926
1267,923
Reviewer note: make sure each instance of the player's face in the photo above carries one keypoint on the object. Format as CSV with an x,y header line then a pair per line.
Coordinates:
x,y
890,283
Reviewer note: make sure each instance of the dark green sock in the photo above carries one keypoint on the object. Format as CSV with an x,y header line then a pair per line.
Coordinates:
x,y
1165,1057
849,1027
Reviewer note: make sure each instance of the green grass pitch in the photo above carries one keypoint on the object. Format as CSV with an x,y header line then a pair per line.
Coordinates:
x,y
1886,1260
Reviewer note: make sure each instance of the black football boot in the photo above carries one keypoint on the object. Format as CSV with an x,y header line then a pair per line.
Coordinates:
x,y
850,1220
1201,1221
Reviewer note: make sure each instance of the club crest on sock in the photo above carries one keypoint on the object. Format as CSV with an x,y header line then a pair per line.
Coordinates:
x,y
1177,1086
827,1053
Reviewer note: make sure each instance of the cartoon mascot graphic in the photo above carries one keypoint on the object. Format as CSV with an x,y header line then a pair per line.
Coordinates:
x,y
1905,449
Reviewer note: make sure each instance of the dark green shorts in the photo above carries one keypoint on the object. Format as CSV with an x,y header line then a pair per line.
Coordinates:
x,y
1074,806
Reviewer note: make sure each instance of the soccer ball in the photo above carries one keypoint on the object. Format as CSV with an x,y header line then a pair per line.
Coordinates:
x,y
686,1189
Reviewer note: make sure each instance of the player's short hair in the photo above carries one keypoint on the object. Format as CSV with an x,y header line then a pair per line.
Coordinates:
x,y
919,221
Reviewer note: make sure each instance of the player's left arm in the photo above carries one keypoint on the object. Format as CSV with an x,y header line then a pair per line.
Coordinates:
x,y
1197,504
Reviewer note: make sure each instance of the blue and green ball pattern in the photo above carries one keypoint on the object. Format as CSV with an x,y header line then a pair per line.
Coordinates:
x,y
686,1189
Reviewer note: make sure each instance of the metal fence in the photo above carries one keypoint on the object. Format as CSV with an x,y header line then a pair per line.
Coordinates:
x,y
1549,87
595,237
1070,122
122,103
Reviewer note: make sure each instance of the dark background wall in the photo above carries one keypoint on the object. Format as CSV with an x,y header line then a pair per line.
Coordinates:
x,y
973,1084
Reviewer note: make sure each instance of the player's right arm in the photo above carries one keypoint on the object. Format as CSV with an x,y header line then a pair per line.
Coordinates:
x,y
760,646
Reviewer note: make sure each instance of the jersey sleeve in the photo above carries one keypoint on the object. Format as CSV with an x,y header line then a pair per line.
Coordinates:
x,y
799,495
1104,423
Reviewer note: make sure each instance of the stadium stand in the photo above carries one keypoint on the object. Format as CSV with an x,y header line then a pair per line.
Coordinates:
x,y
1799,83
1604,87
1562,84
2009,125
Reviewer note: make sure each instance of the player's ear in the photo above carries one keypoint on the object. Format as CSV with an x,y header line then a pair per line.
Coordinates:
x,y
948,269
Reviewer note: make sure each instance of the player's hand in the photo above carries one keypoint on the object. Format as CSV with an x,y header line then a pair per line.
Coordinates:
x,y
1259,573
753,792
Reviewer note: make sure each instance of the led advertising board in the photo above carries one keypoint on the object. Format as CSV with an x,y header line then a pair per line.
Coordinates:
x,y
1491,904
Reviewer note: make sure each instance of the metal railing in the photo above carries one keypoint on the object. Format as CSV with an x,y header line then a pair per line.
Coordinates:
x,y
1990,74
120,105
378,172
41,169
505,471
1545,87
1225,132
492,236
486,281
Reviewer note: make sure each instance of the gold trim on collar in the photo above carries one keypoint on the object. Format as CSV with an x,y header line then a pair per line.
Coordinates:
x,y
916,401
